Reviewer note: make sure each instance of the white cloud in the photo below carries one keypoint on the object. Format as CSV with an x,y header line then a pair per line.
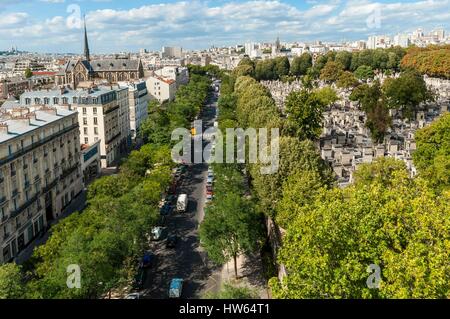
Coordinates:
x,y
199,23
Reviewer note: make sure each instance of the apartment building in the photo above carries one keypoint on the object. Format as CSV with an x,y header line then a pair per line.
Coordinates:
x,y
138,99
178,74
103,114
161,89
39,172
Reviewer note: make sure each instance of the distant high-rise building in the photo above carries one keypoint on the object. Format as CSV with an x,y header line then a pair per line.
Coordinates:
x,y
402,40
172,52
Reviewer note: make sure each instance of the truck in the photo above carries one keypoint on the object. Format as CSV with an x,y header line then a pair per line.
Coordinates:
x,y
176,288
182,203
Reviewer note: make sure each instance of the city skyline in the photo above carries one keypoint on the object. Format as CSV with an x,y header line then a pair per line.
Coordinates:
x,y
54,26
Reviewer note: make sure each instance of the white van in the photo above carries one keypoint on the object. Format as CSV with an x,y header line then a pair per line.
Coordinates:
x,y
182,203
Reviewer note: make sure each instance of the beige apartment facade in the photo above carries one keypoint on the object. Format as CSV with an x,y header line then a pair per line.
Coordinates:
x,y
40,172
103,115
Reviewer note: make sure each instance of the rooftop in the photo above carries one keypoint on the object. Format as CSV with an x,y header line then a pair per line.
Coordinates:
x,y
21,120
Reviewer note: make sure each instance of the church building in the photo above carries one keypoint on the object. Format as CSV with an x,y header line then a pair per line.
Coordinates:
x,y
112,70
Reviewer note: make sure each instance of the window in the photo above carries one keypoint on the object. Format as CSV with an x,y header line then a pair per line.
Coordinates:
x,y
84,111
65,100
86,140
46,100
85,131
95,139
96,130
95,121
75,100
27,101
55,100
94,110
84,121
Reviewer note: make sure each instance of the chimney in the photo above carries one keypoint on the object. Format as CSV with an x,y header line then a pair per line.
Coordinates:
x,y
4,128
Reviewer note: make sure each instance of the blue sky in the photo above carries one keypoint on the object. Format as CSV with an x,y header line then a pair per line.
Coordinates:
x,y
114,26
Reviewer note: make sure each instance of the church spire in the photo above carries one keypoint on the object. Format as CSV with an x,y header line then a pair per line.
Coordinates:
x,y
86,42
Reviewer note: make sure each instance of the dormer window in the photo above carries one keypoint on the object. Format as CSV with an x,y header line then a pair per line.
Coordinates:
x,y
27,101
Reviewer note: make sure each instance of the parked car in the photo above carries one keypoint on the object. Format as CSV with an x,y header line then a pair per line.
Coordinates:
x,y
209,197
147,259
182,203
210,181
171,241
166,209
176,288
209,188
156,233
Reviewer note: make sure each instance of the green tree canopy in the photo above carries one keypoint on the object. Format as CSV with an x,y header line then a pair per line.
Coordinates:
x,y
403,228
301,64
11,282
432,156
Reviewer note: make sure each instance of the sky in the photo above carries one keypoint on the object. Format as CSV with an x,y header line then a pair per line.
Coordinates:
x,y
129,25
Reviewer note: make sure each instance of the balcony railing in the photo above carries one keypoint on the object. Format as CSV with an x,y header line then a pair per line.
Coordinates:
x,y
68,171
50,185
24,206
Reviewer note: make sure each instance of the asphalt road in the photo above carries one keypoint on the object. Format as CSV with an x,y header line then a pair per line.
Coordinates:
x,y
187,260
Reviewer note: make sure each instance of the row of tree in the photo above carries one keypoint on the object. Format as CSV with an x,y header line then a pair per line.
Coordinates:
x,y
108,237
363,64
433,60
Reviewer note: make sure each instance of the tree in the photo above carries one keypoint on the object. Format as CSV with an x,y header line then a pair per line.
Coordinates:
x,y
432,156
301,64
282,67
402,228
331,71
299,190
373,102
155,129
11,282
407,93
364,73
347,80
294,156
327,95
28,73
433,60
345,59
305,110
243,70
230,228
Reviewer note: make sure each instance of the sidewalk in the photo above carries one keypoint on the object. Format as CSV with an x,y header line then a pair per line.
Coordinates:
x,y
77,204
249,274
